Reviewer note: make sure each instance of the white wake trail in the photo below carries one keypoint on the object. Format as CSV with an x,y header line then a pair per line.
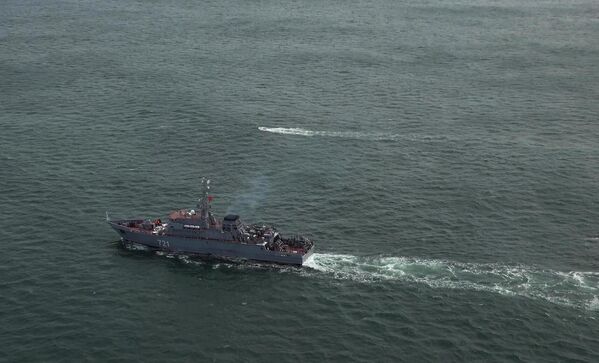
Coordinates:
x,y
340,134
357,135
574,288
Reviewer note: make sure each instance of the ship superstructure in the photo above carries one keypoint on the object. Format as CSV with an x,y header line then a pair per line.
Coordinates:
x,y
197,231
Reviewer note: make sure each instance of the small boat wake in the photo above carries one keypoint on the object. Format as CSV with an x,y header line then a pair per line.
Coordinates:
x,y
575,288
372,136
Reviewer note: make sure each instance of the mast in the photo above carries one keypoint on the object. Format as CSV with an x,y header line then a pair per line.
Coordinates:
x,y
203,205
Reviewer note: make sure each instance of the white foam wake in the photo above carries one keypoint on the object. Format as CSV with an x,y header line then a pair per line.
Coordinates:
x,y
574,288
348,134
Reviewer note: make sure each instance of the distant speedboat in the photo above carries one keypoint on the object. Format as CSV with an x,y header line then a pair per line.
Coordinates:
x,y
198,232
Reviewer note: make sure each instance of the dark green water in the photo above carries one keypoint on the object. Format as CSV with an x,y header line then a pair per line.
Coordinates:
x,y
443,154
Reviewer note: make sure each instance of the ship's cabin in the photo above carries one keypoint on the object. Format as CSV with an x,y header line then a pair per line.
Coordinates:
x,y
183,214
231,223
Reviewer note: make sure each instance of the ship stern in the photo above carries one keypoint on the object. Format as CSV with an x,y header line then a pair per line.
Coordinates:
x,y
307,255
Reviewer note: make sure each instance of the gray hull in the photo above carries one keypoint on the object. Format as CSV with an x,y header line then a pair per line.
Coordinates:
x,y
210,248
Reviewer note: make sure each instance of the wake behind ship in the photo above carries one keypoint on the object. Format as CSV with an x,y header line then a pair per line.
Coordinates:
x,y
198,232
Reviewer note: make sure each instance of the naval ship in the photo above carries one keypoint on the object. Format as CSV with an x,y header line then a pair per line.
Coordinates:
x,y
198,232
